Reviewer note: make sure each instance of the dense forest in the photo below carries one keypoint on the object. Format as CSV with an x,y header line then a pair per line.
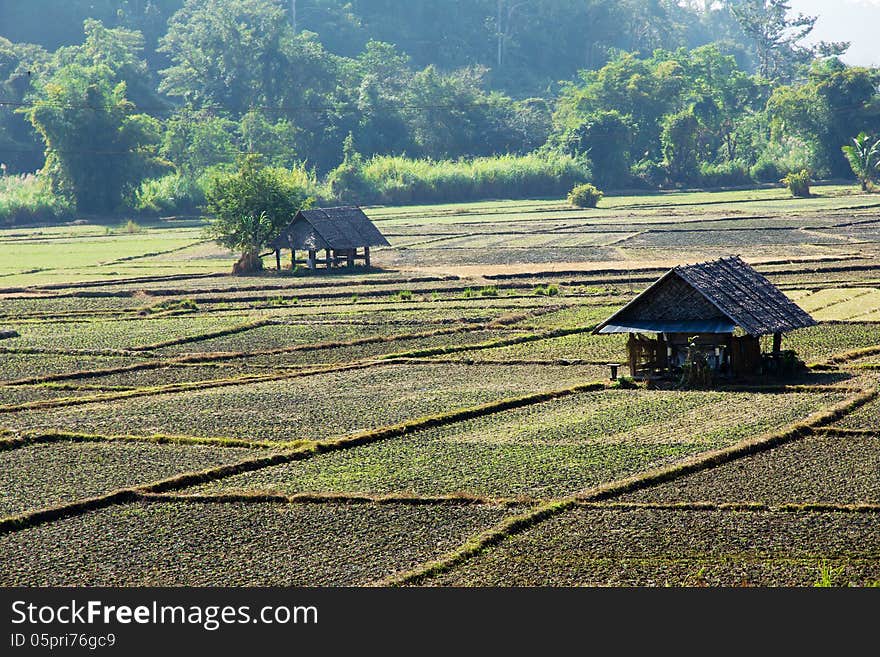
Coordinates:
x,y
136,104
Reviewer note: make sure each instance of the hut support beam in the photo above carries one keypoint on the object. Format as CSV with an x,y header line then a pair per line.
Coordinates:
x,y
777,342
366,256
278,259
328,259
311,260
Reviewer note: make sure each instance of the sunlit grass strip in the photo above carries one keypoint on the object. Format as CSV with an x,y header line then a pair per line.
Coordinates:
x,y
561,362
307,450
717,457
732,506
847,356
503,342
262,497
35,438
477,544
241,328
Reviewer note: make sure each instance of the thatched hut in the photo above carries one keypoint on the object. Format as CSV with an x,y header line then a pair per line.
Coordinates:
x,y
720,308
345,234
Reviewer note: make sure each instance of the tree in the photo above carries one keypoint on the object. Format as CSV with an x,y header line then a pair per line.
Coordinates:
x,y
605,138
864,158
226,52
777,37
680,139
97,148
197,139
250,206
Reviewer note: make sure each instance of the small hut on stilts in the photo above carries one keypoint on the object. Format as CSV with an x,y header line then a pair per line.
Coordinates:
x,y
720,308
344,234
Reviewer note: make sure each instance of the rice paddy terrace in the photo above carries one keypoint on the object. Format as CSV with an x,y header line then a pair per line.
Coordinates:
x,y
445,419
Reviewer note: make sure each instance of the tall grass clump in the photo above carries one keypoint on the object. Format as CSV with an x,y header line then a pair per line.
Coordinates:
x,y
395,180
173,193
27,198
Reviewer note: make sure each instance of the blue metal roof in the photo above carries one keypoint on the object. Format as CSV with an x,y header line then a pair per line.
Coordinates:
x,y
694,327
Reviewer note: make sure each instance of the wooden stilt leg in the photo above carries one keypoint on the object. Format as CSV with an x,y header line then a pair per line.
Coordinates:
x,y
278,259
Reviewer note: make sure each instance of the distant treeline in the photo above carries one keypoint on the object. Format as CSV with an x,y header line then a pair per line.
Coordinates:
x,y
380,101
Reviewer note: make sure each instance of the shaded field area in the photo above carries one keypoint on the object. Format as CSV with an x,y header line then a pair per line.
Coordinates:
x,y
162,544
432,420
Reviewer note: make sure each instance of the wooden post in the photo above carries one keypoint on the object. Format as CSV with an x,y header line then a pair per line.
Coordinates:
x,y
278,259
777,342
311,258
366,256
327,258
349,255
292,259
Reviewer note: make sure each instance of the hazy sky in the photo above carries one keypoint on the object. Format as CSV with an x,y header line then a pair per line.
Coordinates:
x,y
857,21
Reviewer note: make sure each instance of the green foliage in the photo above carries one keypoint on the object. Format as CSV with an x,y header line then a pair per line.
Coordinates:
x,y
250,206
404,295
828,575
97,148
489,291
725,174
585,196
863,156
399,180
546,290
798,183
168,194
27,199
195,140
605,138
680,138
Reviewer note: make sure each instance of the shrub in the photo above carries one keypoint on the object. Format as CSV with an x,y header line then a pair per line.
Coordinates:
x,y
404,295
725,174
648,174
780,157
28,199
169,194
584,196
798,183
392,180
489,291
546,290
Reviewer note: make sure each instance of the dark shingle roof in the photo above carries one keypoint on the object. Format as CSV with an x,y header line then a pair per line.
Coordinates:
x,y
734,289
339,228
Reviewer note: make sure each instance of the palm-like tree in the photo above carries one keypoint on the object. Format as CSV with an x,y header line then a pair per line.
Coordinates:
x,y
864,158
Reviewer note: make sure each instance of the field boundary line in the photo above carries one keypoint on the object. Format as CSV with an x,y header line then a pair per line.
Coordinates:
x,y
186,386
492,344
478,543
792,507
841,432
308,450
264,497
232,330
714,458
847,356
28,438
